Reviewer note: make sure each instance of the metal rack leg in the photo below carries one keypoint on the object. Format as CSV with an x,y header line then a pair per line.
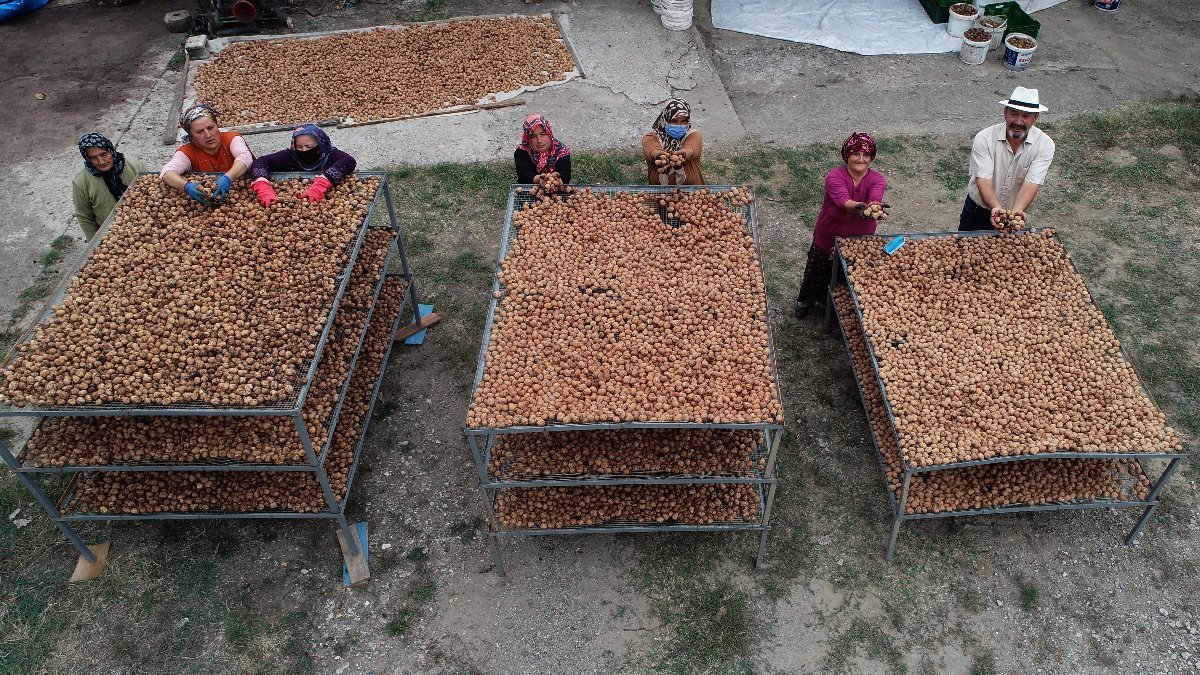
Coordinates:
x,y
1153,498
901,509
497,555
762,539
48,506
408,274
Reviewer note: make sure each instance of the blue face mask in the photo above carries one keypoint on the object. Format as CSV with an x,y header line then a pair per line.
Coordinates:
x,y
677,131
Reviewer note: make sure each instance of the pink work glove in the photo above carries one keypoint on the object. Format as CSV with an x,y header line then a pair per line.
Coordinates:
x,y
266,193
316,191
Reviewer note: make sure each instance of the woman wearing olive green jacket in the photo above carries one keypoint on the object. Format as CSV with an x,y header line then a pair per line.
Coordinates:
x,y
105,176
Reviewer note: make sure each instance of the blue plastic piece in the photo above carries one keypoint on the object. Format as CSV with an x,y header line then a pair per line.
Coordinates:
x,y
418,337
14,8
361,529
893,245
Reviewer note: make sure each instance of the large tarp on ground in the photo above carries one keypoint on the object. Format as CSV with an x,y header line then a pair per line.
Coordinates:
x,y
11,8
860,26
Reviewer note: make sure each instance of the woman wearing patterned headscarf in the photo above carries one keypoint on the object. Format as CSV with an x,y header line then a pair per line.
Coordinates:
x,y
105,175
312,151
206,149
540,152
673,136
848,190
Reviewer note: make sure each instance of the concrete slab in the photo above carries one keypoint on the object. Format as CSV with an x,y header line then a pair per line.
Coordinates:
x,y
632,65
1086,61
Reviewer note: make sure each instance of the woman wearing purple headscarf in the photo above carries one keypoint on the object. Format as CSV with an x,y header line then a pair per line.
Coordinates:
x,y
311,151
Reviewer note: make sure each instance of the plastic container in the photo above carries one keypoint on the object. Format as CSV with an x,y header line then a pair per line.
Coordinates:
x,y
996,31
1107,5
1018,20
974,52
675,14
938,10
1018,58
957,24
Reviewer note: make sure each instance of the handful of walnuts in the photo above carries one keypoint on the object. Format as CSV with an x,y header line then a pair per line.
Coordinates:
x,y
671,160
1010,221
875,211
548,183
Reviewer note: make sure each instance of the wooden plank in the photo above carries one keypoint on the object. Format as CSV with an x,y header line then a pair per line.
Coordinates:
x,y
356,565
85,570
171,130
441,111
411,329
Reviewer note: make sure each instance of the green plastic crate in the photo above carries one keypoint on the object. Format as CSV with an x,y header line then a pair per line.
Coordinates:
x,y
938,10
1018,20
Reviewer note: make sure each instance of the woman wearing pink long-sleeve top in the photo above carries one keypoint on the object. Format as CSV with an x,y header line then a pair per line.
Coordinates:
x,y
849,189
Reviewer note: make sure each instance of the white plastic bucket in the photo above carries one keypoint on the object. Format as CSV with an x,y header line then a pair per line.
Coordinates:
x,y
974,52
958,23
997,32
1017,58
675,14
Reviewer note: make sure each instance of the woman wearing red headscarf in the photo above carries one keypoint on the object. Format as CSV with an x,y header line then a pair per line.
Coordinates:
x,y
540,152
848,190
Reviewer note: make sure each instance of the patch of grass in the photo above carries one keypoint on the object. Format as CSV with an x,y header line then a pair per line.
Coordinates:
x,y
1029,594
952,169
176,60
712,630
430,10
416,554
467,530
54,254
984,663
423,589
872,640
401,622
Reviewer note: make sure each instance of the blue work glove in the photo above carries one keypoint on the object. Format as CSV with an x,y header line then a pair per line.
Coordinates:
x,y
194,191
222,191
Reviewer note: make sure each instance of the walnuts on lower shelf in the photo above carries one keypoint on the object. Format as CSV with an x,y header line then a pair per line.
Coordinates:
x,y
558,507
609,313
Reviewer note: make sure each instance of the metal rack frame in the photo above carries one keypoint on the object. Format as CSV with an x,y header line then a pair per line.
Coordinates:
x,y
840,273
482,440
315,462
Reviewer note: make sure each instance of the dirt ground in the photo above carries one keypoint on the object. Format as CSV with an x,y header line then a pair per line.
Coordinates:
x,y
1047,593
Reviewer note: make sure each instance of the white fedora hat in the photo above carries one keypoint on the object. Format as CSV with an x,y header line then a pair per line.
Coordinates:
x,y
1024,99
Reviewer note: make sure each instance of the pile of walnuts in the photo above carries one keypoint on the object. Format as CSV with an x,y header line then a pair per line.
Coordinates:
x,y
383,73
559,507
715,452
247,491
94,441
992,347
186,304
609,313
1018,483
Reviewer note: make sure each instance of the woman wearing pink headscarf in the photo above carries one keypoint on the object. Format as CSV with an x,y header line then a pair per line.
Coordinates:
x,y
848,190
540,152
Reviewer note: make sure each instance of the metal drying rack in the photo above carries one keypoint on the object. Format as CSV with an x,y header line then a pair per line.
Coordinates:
x,y
316,455
482,440
898,499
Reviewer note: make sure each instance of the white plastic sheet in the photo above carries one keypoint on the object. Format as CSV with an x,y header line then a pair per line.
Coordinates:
x,y
860,26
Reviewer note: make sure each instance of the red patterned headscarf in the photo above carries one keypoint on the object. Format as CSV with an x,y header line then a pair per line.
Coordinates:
x,y
858,142
543,160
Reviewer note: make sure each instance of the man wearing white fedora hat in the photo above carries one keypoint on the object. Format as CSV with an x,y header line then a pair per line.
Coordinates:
x,y
1009,162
